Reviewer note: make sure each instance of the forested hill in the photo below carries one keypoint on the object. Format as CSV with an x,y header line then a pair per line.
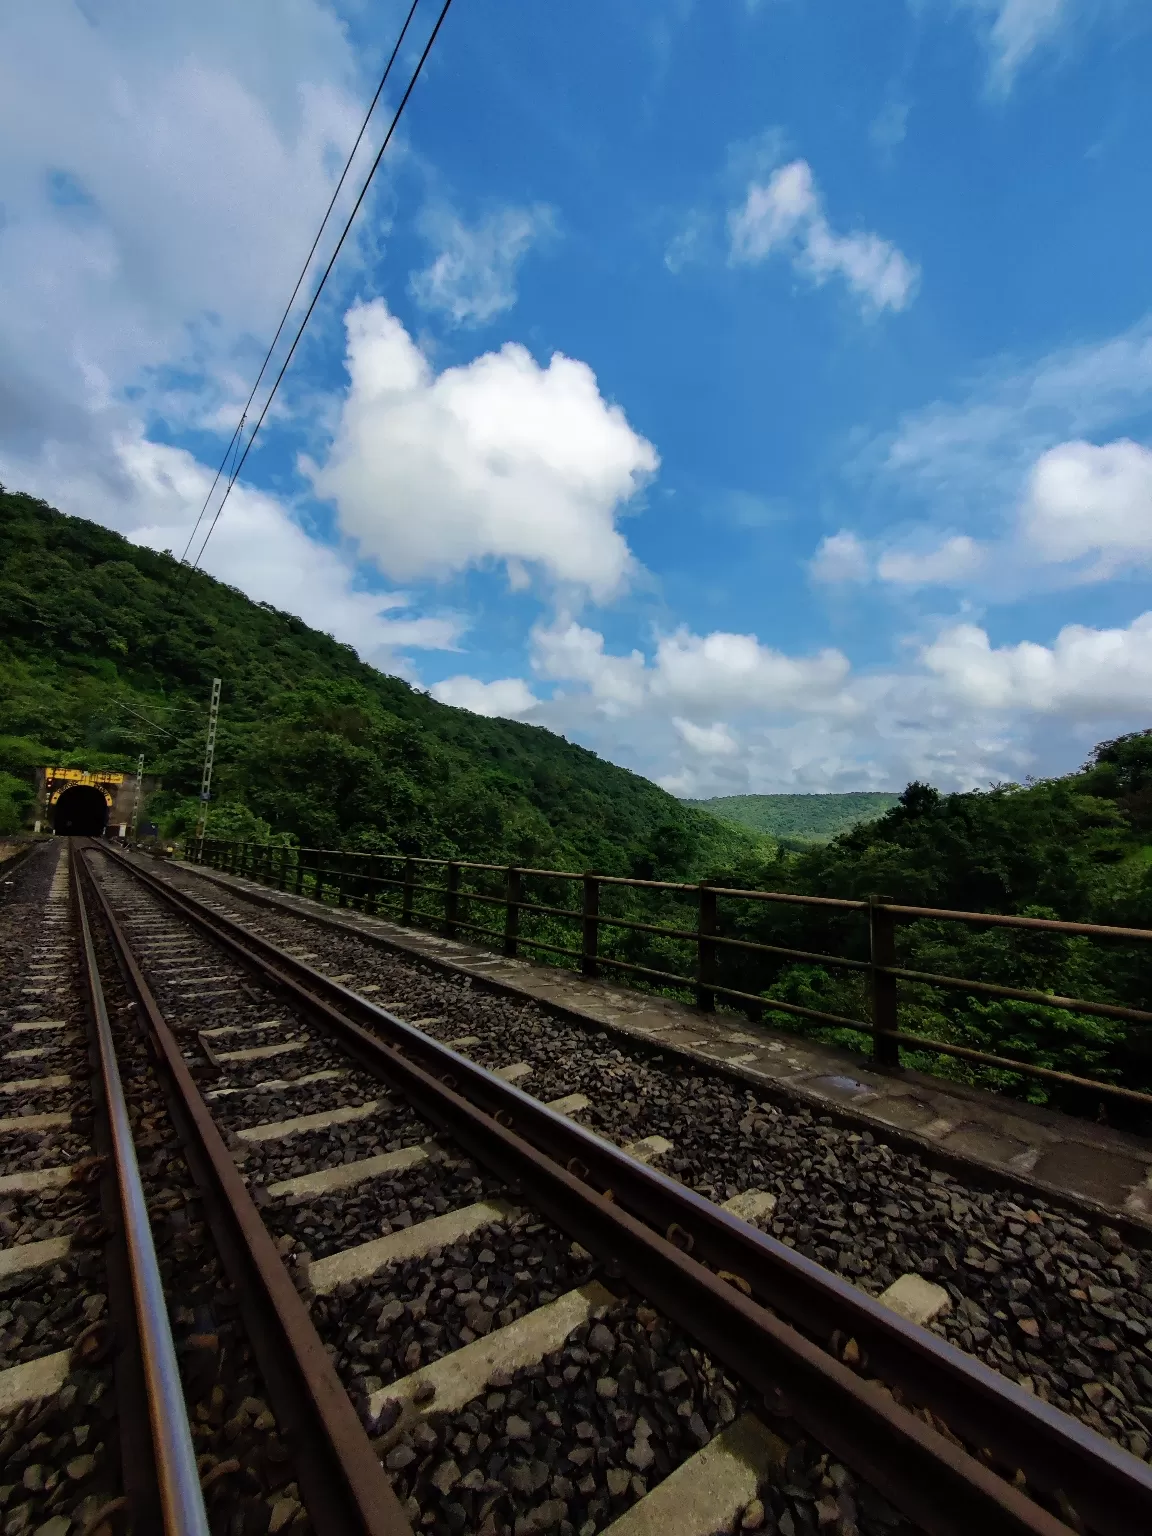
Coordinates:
x,y
104,654
811,817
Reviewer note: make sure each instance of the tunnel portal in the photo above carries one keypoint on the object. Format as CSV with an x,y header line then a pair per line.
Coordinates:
x,y
81,811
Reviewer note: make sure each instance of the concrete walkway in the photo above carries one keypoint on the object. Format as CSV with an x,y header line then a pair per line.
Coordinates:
x,y
977,1135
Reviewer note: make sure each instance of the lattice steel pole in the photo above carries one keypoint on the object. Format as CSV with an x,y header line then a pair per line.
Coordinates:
x,y
136,799
206,780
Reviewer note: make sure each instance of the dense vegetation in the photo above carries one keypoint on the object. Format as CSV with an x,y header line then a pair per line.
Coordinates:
x,y
108,649
798,818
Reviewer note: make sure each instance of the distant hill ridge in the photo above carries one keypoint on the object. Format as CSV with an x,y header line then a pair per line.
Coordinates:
x,y
805,816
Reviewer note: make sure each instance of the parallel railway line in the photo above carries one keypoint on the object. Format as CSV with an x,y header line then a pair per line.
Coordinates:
x,y
462,1309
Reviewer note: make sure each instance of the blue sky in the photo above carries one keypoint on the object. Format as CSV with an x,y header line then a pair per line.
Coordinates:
x,y
759,393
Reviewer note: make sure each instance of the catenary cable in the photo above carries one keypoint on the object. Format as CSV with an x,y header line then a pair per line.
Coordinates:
x,y
238,431
327,271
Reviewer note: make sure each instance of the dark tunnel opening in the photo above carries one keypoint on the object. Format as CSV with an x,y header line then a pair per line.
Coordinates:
x,y
81,811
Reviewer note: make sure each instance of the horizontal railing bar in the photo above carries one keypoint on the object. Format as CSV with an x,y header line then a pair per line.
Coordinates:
x,y
1009,1064
1010,920
461,922
555,874
793,954
555,949
1019,994
538,906
788,897
777,1005
688,982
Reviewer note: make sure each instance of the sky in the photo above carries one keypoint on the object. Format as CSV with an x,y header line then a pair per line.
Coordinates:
x,y
758,392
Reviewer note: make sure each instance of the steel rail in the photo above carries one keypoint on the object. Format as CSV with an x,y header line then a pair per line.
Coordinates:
x,y
177,1479
344,1487
1110,1490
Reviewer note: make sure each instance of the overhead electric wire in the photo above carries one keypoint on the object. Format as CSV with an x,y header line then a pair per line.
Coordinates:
x,y
328,269
239,429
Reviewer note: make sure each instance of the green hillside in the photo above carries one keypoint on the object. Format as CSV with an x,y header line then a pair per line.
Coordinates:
x,y
811,818
105,652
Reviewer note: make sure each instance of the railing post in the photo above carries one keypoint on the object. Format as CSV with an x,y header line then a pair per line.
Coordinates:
x,y
882,952
706,951
590,927
409,894
451,899
511,910
298,883
342,880
282,879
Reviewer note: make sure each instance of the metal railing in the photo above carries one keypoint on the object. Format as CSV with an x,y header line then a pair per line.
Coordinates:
x,y
408,894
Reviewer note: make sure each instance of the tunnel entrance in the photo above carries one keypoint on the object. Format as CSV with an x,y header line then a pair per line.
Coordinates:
x,y
81,811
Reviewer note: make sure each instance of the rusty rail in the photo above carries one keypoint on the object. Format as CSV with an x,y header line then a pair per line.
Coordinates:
x,y
344,1487
352,882
562,1167
161,1481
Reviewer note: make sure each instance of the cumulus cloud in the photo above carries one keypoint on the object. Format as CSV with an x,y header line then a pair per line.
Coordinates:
x,y
710,672
1088,500
509,697
954,560
569,652
1086,674
472,279
163,172
498,460
1020,464
726,714
989,440
714,740
786,214
839,558
694,675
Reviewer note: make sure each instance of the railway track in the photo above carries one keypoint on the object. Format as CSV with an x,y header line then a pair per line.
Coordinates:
x,y
458,1309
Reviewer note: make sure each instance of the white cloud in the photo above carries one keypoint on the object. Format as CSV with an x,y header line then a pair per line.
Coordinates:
x,y
727,714
473,277
163,172
839,558
570,652
509,697
785,214
955,560
1085,499
1086,674
709,740
1014,463
889,127
691,674
1013,414
704,673
691,242
153,498
1015,29
498,460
